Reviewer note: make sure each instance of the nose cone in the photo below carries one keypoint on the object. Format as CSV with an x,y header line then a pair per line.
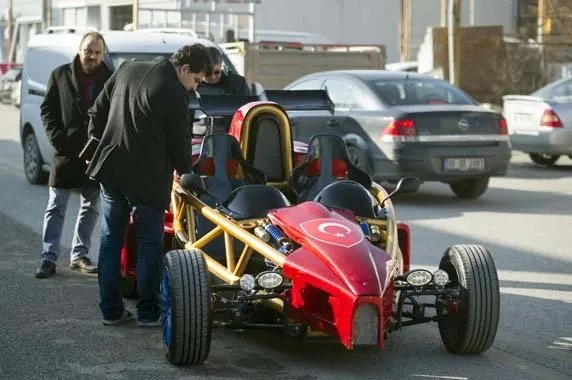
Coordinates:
x,y
366,270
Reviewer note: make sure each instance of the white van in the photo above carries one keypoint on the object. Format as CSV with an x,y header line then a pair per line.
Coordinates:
x,y
45,52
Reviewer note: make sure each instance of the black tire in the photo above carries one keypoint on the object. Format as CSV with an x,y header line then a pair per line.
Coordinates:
x,y
187,308
470,188
358,158
543,158
128,288
33,161
473,330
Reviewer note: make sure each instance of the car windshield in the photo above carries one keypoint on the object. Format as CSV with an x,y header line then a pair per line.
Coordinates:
x,y
558,91
118,58
402,92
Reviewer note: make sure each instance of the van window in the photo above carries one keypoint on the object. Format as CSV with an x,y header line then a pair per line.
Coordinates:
x,y
118,58
40,63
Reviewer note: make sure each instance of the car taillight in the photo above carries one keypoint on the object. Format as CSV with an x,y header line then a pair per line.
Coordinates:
x,y
550,119
503,126
399,128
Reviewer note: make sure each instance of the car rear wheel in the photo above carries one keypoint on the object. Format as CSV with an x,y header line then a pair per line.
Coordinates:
x,y
472,329
470,188
543,158
186,307
357,157
33,162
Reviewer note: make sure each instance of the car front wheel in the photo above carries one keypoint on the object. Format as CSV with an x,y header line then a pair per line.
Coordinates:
x,y
470,188
186,307
471,327
543,158
33,161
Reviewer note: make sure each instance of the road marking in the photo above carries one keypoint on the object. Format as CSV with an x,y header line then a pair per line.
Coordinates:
x,y
545,294
441,377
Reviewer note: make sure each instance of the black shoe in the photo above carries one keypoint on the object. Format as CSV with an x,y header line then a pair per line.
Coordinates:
x,y
83,265
46,270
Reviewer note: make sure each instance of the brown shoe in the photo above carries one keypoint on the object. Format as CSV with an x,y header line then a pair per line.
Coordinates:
x,y
83,265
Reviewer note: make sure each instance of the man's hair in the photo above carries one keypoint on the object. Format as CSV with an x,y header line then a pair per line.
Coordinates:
x,y
95,35
196,56
216,55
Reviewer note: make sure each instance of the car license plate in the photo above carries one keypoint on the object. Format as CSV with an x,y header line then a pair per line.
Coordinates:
x,y
464,164
521,118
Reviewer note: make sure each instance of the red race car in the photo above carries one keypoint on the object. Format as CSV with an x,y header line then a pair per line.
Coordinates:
x,y
310,248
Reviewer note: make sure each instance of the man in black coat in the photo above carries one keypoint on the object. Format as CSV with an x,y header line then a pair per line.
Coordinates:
x,y
142,120
71,90
221,82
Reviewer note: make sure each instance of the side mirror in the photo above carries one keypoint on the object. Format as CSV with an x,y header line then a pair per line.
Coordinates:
x,y
404,186
407,185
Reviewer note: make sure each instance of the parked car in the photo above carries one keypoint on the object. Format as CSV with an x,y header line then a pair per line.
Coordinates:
x,y
47,51
399,124
540,124
9,83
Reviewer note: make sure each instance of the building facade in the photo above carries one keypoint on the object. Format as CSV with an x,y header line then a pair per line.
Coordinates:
x,y
340,21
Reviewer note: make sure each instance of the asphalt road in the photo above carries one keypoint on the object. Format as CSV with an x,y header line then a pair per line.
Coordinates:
x,y
51,329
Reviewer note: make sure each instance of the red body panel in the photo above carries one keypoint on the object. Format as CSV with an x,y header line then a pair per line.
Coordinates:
x,y
332,275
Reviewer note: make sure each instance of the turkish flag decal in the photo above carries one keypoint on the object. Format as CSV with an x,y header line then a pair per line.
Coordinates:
x,y
340,232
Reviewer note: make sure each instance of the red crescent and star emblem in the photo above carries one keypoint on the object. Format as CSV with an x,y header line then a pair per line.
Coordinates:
x,y
333,231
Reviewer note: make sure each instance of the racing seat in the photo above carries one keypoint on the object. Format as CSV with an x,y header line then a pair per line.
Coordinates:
x,y
223,167
326,162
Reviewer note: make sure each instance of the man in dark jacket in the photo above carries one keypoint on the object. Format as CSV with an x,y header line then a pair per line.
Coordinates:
x,y
71,89
221,82
142,119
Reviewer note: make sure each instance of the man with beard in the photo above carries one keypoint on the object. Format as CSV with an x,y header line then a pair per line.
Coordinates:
x,y
71,90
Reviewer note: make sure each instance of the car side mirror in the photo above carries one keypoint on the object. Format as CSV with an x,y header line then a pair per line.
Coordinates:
x,y
404,186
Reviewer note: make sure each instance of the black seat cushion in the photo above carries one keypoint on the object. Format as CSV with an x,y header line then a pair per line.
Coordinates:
x,y
254,201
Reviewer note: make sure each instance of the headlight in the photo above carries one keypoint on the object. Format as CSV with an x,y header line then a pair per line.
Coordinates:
x,y
247,282
419,277
440,277
269,280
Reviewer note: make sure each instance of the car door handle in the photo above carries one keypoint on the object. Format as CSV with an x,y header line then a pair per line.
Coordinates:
x,y
332,123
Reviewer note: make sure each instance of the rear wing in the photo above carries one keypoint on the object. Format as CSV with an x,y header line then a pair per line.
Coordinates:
x,y
290,100
300,100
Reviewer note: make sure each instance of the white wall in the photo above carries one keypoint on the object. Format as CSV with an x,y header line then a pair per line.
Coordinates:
x,y
373,21
342,21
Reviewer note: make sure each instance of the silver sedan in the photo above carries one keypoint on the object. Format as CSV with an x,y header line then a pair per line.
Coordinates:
x,y
540,124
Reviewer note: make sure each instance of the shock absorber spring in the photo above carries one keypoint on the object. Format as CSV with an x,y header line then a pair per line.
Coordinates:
x,y
275,233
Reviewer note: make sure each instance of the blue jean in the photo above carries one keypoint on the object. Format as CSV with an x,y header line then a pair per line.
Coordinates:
x,y
116,209
54,218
